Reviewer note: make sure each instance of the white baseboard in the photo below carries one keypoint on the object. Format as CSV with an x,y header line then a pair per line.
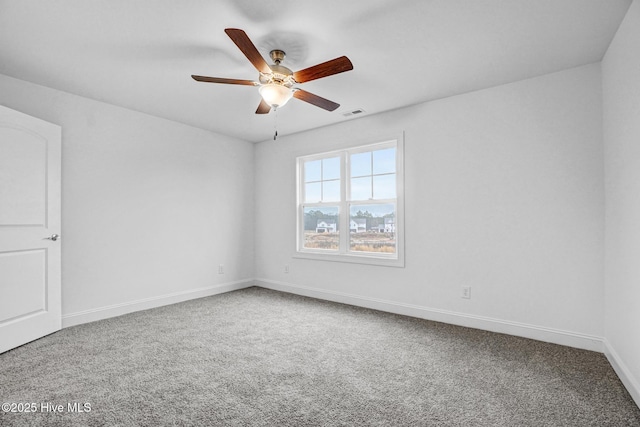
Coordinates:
x,y
555,336
106,312
630,382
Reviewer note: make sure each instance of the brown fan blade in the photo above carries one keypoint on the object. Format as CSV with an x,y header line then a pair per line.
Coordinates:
x,y
329,68
263,108
316,100
247,47
227,81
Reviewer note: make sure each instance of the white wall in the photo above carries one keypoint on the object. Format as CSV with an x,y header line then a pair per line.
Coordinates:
x,y
150,207
621,96
504,193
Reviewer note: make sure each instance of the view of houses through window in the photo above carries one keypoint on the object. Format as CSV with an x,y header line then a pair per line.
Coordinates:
x,y
348,201
372,228
321,228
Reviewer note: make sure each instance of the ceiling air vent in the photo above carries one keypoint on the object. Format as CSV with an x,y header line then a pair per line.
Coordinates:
x,y
354,112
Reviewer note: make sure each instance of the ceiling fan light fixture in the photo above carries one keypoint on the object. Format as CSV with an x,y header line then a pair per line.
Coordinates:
x,y
276,82
275,95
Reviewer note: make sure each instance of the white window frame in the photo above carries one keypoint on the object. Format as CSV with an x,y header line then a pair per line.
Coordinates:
x,y
344,254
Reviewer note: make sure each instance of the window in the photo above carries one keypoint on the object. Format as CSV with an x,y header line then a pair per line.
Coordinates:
x,y
350,205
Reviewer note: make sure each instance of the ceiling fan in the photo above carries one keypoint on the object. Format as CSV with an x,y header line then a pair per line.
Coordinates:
x,y
276,82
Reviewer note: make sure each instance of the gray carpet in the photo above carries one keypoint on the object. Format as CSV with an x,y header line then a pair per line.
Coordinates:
x,y
257,357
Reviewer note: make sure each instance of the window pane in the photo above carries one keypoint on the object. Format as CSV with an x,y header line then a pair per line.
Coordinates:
x,y
384,161
372,228
384,187
361,188
360,164
321,229
312,171
331,168
331,191
312,192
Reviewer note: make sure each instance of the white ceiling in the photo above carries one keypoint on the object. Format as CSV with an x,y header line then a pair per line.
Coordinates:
x,y
139,54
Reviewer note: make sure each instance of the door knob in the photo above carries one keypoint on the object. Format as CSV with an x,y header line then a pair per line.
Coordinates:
x,y
53,237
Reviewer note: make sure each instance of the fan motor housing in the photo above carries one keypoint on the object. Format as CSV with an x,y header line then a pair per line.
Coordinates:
x,y
279,73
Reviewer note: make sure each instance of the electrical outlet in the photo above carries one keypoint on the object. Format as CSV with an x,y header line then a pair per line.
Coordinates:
x,y
221,269
286,268
466,292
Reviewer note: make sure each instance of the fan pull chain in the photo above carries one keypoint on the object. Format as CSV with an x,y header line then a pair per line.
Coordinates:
x,y
275,124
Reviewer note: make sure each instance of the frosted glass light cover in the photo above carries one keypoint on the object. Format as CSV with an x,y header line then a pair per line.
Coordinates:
x,y
275,95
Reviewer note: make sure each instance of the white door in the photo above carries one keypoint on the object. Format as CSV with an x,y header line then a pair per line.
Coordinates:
x,y
30,262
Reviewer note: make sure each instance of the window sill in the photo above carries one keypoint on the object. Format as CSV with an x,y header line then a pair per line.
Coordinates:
x,y
351,258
